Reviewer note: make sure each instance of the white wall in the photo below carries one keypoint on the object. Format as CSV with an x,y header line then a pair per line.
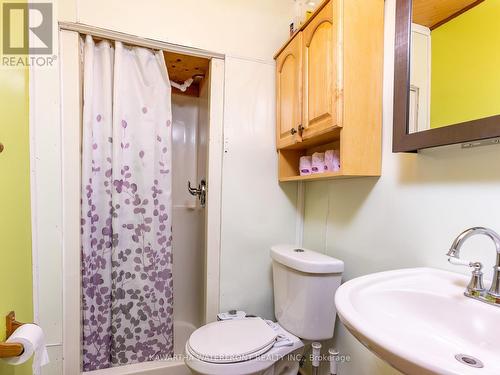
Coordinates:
x,y
406,218
249,28
248,32
256,211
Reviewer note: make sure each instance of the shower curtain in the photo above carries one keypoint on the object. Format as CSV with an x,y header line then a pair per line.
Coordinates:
x,y
126,234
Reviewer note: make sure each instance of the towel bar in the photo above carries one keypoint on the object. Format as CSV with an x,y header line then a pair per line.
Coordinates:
x,y
11,349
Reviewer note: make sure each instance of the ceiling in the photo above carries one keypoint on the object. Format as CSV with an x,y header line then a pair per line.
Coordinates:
x,y
182,67
433,13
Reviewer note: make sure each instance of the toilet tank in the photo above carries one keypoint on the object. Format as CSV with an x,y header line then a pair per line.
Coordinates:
x,y
305,283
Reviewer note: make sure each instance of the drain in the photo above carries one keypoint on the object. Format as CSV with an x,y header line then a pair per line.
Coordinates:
x,y
469,360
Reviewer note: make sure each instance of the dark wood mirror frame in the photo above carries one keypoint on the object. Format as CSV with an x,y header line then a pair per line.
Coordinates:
x,y
488,127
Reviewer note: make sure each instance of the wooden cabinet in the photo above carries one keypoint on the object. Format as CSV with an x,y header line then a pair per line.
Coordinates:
x,y
329,89
289,93
319,76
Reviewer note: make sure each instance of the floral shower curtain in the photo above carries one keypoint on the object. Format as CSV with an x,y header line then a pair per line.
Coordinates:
x,y
126,231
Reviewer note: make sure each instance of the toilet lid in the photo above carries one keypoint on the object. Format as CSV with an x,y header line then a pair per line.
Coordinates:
x,y
232,341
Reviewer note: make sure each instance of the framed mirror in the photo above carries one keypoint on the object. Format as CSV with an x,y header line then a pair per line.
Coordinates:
x,y
447,73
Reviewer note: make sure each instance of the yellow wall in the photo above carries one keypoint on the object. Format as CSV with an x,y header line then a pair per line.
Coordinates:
x,y
466,66
15,222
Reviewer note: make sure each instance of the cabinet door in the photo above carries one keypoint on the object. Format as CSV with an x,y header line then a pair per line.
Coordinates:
x,y
320,73
289,93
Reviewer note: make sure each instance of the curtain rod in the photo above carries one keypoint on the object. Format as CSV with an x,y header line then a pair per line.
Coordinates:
x,y
137,40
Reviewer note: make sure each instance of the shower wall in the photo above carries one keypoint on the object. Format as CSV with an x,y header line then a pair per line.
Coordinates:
x,y
189,164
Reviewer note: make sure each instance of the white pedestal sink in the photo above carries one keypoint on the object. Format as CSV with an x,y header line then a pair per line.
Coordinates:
x,y
418,320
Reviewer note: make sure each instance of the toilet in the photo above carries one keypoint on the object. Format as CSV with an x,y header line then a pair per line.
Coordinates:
x,y
304,283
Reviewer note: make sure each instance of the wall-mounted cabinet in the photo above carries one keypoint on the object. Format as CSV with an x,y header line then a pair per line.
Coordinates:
x,y
320,74
329,89
289,93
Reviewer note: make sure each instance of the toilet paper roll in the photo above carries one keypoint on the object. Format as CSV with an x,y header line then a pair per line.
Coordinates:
x,y
305,164
318,163
33,340
332,160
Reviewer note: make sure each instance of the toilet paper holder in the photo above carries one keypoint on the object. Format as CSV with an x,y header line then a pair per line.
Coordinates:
x,y
11,349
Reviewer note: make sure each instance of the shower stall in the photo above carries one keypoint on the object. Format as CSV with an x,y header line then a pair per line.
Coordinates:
x,y
195,170
190,125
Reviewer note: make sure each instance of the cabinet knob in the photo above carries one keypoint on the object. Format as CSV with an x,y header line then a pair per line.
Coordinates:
x,y
1,147
301,128
293,131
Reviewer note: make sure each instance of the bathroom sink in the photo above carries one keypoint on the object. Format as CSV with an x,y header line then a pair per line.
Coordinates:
x,y
419,321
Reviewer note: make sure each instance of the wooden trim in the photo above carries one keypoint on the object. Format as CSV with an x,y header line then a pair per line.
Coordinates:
x,y
456,14
325,176
312,177
11,324
135,40
11,349
474,130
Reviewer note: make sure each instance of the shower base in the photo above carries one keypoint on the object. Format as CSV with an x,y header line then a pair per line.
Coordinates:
x,y
173,366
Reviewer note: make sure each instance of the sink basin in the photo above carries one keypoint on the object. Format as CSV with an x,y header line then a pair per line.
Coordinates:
x,y
418,320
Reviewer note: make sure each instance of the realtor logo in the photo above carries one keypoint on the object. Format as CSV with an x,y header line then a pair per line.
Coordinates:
x,y
27,28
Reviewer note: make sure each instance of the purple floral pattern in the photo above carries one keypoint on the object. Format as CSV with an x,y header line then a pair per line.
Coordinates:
x,y
126,231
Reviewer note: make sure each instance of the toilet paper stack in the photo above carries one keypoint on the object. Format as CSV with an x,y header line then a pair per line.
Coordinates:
x,y
32,338
320,162
332,161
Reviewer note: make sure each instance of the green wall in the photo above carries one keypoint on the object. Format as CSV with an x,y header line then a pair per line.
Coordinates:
x,y
466,66
15,222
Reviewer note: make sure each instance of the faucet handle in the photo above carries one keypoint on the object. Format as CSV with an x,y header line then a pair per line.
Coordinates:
x,y
459,262
476,286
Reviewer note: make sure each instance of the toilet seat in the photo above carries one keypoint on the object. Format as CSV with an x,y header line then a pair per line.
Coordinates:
x,y
247,366
232,341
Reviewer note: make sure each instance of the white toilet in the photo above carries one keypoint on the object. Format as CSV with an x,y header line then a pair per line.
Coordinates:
x,y
305,283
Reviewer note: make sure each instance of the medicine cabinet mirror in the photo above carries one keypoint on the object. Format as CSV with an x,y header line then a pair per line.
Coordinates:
x,y
447,75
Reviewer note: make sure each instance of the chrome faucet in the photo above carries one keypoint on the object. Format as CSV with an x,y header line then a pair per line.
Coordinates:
x,y
475,289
